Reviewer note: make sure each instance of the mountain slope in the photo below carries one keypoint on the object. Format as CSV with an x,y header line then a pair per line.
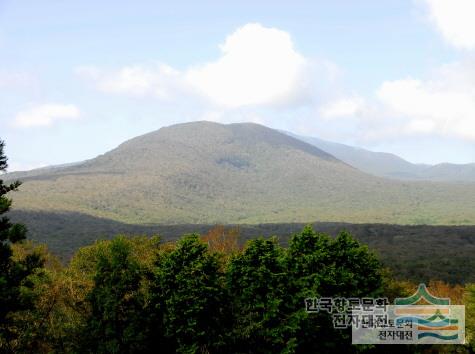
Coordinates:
x,y
392,166
449,172
206,172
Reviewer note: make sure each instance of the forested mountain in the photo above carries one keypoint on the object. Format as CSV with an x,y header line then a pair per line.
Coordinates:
x,y
205,172
384,164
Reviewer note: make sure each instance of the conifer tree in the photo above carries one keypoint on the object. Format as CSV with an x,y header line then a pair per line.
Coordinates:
x,y
13,274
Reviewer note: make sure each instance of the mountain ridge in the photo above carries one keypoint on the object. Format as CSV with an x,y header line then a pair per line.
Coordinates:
x,y
384,164
377,163
205,172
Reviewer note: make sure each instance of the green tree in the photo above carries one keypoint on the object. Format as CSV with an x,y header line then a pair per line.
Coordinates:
x,y
117,323
14,282
319,266
353,270
258,283
307,257
189,298
62,316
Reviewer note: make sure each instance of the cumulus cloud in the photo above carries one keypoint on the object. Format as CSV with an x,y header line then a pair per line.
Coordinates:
x,y
257,66
441,105
454,20
45,115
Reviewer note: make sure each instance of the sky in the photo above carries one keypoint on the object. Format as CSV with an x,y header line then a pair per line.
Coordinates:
x,y
77,78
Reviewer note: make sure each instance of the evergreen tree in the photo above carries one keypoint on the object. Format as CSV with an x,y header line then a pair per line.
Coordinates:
x,y
258,283
319,266
354,270
13,274
323,266
189,296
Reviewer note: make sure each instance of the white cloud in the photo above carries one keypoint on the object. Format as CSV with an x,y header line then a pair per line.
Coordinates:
x,y
455,20
258,66
343,107
45,115
437,106
442,105
136,80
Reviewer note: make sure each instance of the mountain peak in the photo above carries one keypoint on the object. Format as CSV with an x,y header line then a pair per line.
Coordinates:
x,y
205,133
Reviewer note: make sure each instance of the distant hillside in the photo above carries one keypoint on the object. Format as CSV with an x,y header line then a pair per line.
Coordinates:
x,y
206,172
39,171
392,166
408,250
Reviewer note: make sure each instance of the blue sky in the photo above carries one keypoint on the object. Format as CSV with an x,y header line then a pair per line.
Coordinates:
x,y
79,78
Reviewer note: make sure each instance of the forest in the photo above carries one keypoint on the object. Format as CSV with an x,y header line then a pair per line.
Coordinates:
x,y
412,252
199,294
205,293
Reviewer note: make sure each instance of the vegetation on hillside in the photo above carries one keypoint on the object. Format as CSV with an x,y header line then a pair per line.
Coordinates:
x,y
206,172
415,252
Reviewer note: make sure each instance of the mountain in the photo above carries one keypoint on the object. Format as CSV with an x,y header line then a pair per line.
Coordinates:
x,y
205,172
392,166
449,172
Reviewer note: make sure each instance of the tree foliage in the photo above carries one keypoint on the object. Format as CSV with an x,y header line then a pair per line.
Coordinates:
x,y
116,323
14,274
257,282
189,297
